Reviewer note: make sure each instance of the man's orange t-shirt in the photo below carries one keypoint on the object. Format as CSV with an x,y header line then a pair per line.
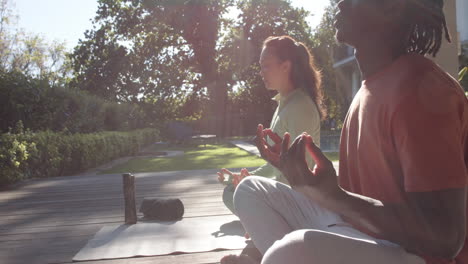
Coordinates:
x,y
406,131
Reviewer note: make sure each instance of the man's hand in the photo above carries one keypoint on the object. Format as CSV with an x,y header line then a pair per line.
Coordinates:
x,y
294,166
269,153
428,223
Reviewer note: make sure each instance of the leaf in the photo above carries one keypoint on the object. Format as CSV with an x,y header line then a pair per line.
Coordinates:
x,y
462,74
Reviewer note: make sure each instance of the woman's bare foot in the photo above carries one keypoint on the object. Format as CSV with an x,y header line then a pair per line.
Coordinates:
x,y
241,259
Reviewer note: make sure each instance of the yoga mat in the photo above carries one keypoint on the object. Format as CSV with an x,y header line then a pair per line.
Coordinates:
x,y
190,235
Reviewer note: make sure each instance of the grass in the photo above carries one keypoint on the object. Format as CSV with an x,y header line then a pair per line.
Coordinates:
x,y
333,156
195,158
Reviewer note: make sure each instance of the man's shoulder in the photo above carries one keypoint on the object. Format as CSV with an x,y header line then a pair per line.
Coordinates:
x,y
428,85
421,68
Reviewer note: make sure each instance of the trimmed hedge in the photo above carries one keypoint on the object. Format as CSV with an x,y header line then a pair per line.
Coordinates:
x,y
48,154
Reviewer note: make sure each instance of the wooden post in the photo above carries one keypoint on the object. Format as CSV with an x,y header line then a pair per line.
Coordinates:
x,y
129,197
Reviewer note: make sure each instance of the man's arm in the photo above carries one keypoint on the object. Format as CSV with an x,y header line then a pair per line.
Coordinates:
x,y
429,223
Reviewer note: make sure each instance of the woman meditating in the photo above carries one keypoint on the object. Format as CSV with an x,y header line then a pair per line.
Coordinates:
x,y
288,68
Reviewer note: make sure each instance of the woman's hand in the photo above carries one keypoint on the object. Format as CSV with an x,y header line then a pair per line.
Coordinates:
x,y
235,178
221,177
270,153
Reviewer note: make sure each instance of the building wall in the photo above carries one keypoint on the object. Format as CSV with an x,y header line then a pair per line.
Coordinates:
x,y
447,57
462,20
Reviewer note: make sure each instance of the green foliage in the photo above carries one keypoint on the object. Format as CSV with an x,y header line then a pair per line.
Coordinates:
x,y
463,59
42,107
249,101
157,51
148,47
462,74
324,46
30,53
189,56
102,66
24,154
14,152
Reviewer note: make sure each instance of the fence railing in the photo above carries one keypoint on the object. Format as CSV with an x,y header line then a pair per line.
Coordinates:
x,y
330,140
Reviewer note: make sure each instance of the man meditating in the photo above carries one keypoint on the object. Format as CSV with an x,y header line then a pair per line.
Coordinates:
x,y
401,193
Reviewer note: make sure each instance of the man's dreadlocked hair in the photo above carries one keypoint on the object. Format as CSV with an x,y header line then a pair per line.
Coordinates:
x,y
427,25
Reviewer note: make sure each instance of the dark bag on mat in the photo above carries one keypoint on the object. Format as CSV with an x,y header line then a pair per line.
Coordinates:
x,y
162,209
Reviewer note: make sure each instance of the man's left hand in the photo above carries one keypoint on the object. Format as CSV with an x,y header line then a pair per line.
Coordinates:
x,y
322,179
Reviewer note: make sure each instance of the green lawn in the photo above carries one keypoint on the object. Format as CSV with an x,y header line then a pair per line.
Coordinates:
x,y
333,156
195,158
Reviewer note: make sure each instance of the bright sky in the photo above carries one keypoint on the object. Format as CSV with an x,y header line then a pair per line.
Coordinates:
x,y
67,20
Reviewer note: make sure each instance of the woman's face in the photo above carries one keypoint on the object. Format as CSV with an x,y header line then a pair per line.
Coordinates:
x,y
275,74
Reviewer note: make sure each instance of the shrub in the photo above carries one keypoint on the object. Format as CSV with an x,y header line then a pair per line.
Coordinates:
x,y
24,154
42,107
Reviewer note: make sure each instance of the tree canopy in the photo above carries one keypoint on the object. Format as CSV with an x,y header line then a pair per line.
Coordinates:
x,y
193,55
184,59
29,53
